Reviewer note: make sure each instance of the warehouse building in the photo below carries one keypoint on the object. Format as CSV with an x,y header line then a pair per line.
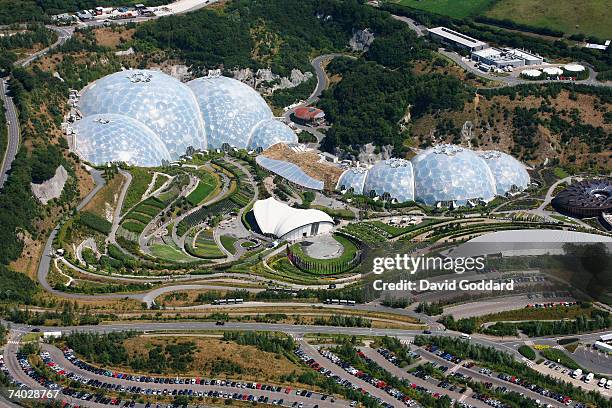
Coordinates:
x,y
454,38
507,57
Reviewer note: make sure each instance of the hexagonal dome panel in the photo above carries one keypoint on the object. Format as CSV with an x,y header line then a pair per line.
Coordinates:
x,y
509,173
394,177
111,138
230,110
271,132
448,173
353,178
159,101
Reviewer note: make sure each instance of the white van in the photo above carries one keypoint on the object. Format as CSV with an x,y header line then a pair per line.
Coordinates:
x,y
589,377
609,384
465,336
602,382
577,373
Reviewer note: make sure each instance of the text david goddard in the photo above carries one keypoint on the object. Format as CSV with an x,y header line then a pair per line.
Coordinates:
x,y
446,286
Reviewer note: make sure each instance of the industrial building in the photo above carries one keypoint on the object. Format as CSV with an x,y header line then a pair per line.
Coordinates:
x,y
507,57
454,38
288,223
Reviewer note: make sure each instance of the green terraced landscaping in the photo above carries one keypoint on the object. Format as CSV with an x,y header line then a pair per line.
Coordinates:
x,y
133,226
169,253
205,187
228,243
141,178
205,246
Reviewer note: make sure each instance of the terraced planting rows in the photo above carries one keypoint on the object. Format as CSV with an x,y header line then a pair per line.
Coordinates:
x,y
205,246
138,218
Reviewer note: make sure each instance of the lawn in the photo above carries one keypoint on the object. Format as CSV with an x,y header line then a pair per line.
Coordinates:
x,y
170,253
228,243
141,178
591,17
452,8
205,187
205,246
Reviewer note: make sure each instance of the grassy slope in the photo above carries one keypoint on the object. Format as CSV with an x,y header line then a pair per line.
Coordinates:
x,y
591,16
452,8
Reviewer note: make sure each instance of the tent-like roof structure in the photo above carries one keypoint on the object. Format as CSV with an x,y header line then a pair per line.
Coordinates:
x,y
278,219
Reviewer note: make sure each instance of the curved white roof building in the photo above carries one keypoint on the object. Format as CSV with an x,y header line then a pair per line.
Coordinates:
x,y
288,223
204,113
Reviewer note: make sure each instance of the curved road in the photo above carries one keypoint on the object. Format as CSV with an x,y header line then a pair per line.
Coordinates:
x,y
12,124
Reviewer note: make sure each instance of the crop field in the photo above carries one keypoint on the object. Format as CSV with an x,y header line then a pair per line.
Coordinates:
x,y
590,17
452,8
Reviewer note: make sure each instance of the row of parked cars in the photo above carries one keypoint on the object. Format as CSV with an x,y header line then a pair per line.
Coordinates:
x,y
107,386
390,357
485,371
70,356
367,378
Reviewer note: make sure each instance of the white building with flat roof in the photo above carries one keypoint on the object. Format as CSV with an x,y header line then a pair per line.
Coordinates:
x,y
606,348
496,58
529,58
452,37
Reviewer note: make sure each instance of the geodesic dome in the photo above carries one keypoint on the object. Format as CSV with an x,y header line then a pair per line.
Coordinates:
x,y
270,132
448,173
158,101
110,137
230,110
509,173
353,178
394,177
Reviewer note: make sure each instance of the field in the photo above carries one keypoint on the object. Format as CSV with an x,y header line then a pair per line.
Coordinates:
x,y
452,8
169,253
205,187
214,357
591,17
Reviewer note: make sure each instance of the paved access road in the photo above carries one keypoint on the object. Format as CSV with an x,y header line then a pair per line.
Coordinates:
x,y
13,131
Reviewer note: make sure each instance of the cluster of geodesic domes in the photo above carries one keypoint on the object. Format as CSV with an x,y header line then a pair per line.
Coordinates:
x,y
441,174
142,117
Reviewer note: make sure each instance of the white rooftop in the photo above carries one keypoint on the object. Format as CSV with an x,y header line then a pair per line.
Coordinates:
x,y
456,37
278,219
